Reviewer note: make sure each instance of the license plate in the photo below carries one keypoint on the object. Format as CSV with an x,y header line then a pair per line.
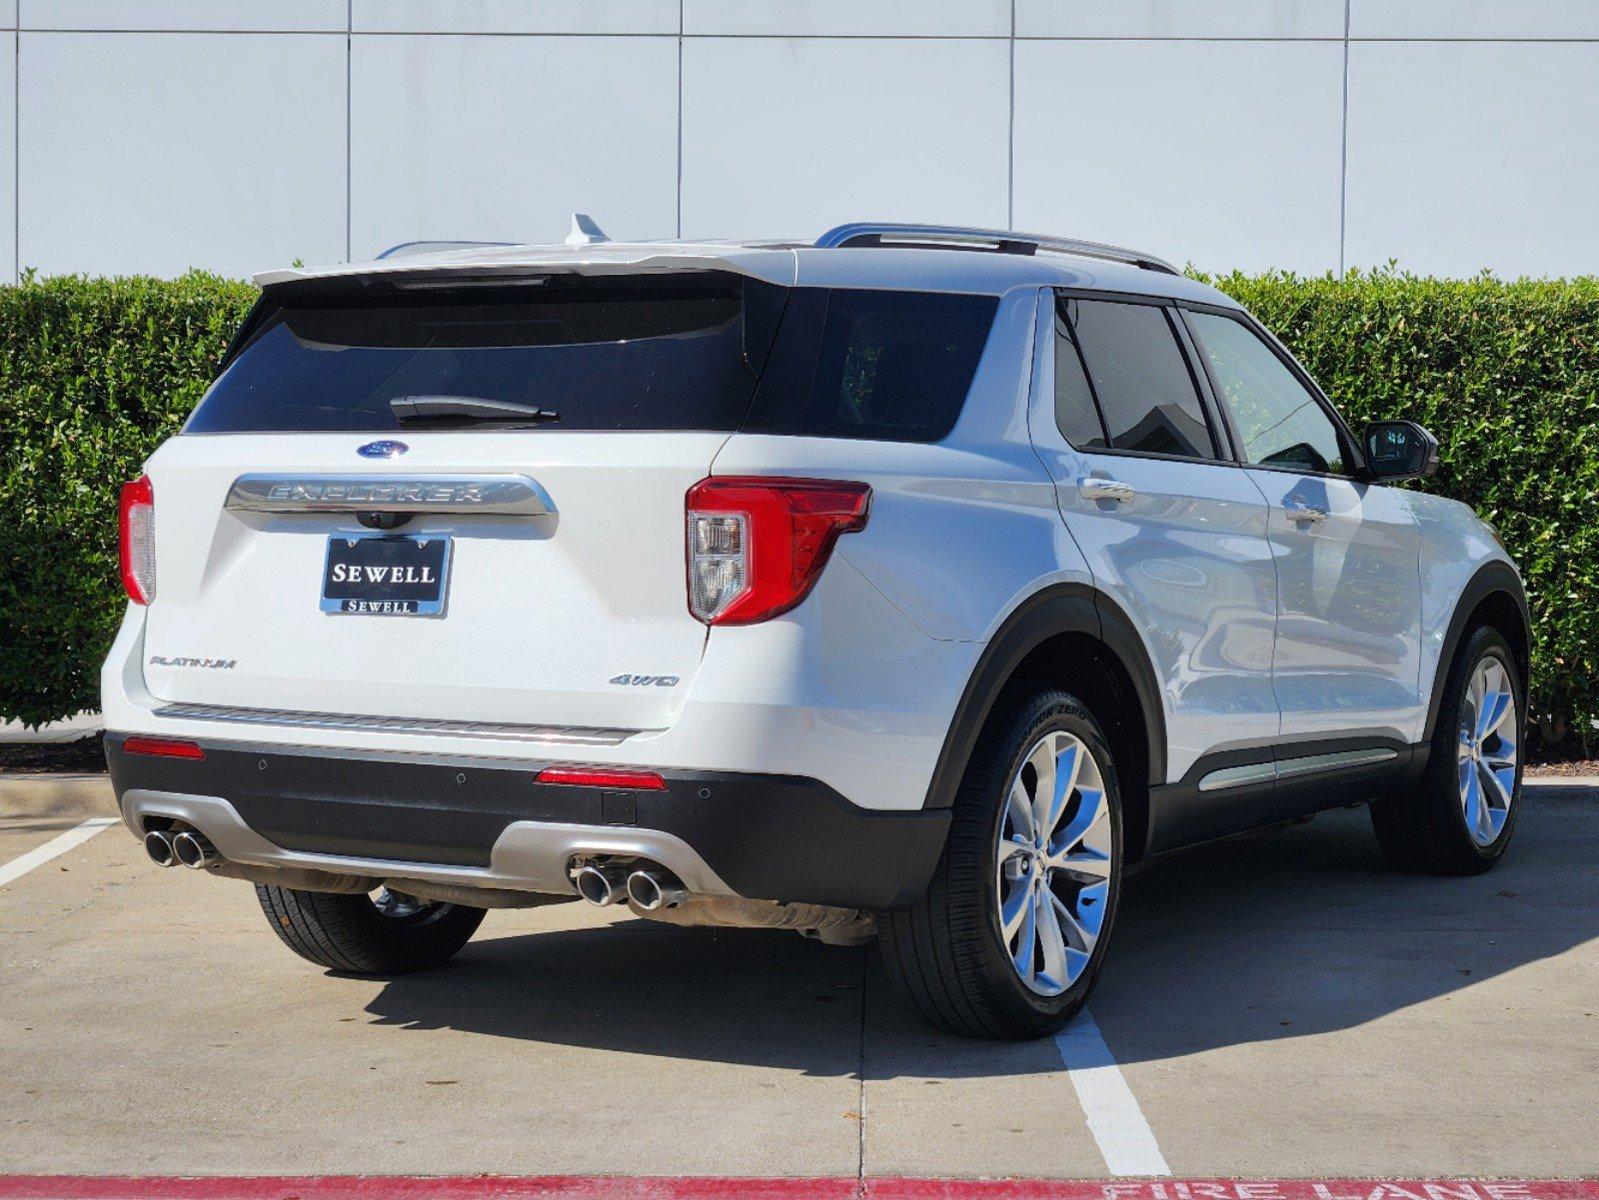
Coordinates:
x,y
385,574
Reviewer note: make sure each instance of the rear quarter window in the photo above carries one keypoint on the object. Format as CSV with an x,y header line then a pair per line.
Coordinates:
x,y
876,365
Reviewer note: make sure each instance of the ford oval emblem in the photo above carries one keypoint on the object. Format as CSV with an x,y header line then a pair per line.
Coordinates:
x,y
383,449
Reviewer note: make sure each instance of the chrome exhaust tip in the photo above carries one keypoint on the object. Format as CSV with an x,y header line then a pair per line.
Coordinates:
x,y
194,850
601,886
158,845
650,891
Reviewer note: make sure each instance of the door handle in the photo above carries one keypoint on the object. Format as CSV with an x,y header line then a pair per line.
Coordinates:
x,y
1097,487
1298,511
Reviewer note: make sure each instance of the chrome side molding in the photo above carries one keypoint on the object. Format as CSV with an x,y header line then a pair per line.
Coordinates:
x,y
504,495
1231,777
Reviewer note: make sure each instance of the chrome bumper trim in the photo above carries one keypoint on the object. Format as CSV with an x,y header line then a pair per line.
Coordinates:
x,y
479,730
529,856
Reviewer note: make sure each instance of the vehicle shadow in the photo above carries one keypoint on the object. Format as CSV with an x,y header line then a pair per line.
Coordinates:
x,y
1308,930
1285,934
726,995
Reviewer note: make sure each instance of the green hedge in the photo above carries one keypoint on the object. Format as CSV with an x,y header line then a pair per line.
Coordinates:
x,y
94,373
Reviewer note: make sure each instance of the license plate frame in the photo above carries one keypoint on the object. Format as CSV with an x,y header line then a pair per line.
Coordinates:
x,y
397,597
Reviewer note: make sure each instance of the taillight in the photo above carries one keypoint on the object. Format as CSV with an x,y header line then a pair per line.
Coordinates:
x,y
136,523
756,545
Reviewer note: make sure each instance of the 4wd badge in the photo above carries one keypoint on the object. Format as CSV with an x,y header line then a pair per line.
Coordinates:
x,y
644,680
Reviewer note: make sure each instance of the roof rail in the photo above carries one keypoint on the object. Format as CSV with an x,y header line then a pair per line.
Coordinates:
x,y
1002,241
407,249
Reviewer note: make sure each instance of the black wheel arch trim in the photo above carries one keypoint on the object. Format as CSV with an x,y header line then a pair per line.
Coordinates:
x,y
1063,608
1492,577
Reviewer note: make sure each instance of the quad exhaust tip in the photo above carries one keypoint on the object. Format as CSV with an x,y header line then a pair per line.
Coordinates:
x,y
650,891
158,845
194,849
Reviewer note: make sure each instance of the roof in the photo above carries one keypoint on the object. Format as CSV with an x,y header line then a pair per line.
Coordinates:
x,y
922,265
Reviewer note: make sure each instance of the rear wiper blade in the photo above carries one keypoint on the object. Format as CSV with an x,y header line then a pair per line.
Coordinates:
x,y
473,409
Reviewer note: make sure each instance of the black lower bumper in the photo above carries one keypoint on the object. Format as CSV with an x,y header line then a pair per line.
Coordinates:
x,y
771,837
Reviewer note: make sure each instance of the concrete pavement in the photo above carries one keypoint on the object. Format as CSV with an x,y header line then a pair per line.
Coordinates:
x,y
1279,1006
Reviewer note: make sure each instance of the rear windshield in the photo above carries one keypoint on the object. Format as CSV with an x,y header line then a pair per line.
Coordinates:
x,y
661,352
685,351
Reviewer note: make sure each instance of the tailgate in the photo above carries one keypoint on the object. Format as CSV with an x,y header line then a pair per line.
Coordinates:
x,y
547,619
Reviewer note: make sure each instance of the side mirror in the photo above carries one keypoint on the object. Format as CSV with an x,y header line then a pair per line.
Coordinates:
x,y
1398,450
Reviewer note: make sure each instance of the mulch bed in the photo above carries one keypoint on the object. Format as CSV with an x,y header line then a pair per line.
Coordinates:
x,y
80,757
1564,770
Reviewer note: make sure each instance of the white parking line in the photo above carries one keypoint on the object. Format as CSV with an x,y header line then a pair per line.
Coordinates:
x,y
1125,1139
76,836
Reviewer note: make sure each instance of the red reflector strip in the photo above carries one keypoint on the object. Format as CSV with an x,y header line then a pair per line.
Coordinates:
x,y
162,748
606,777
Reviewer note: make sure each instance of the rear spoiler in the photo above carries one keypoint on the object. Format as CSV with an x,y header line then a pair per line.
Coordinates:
x,y
777,265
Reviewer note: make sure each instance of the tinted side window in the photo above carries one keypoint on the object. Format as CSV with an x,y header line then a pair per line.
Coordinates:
x,y
1075,411
1139,378
888,366
1280,423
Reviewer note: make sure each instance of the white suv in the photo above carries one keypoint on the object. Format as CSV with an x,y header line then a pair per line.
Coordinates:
x,y
916,583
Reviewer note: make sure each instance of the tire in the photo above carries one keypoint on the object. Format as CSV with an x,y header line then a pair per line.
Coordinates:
x,y
947,955
1428,829
360,935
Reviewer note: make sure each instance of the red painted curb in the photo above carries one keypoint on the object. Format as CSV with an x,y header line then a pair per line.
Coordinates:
x,y
580,1187
389,1187
1233,1189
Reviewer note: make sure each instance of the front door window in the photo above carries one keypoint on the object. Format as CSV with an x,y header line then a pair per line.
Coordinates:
x,y
1280,423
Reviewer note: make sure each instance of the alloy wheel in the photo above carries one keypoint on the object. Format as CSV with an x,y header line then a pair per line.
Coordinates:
x,y
1053,862
1487,750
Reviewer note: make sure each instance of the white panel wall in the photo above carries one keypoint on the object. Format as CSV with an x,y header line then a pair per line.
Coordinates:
x,y
849,18
8,149
515,16
502,138
1181,18
1509,19
204,15
1505,177
1220,153
156,152
788,136
152,135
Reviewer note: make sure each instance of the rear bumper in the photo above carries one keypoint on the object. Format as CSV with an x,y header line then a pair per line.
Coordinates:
x,y
770,837
844,690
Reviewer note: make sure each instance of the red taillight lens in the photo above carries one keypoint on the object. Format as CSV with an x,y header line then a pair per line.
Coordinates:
x,y
605,777
756,545
136,525
162,748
